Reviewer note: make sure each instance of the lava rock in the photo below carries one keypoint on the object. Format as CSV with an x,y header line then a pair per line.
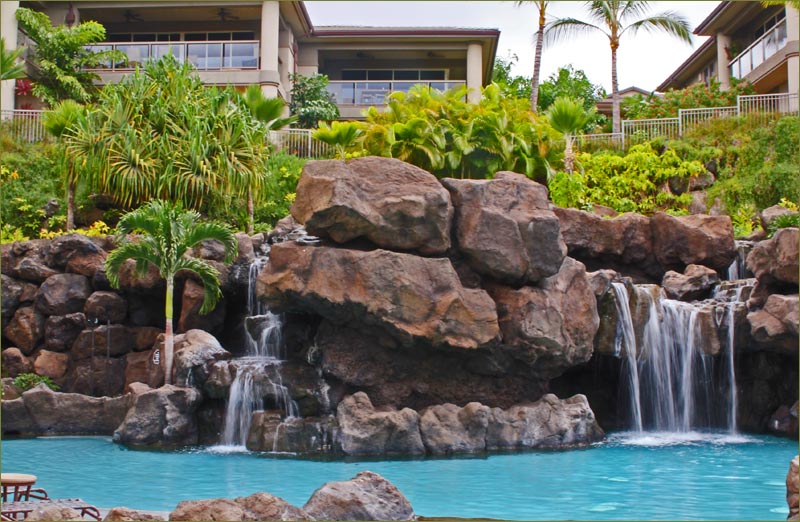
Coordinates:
x,y
191,302
505,229
15,363
63,294
363,430
123,514
51,364
106,307
774,327
163,417
194,353
695,284
776,260
679,241
26,329
258,506
367,496
792,496
393,204
446,428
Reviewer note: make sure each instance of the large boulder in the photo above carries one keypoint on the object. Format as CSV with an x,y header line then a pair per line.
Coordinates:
x,y
191,302
270,432
46,412
624,243
195,352
547,423
26,260
792,489
26,329
11,290
393,204
367,496
106,307
61,249
505,229
776,260
695,284
51,364
60,331
161,417
112,340
63,294
700,239
446,428
363,430
410,297
123,514
15,363
774,327
258,506
550,327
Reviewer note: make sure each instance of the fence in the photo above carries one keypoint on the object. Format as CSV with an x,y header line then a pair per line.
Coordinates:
x,y
23,125
592,142
300,143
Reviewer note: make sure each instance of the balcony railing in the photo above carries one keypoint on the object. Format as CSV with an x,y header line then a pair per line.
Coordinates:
x,y
759,51
204,56
24,125
375,92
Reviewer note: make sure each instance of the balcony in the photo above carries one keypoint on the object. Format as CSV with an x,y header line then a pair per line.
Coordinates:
x,y
374,92
759,51
204,56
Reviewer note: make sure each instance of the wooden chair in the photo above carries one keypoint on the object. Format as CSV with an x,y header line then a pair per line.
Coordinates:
x,y
14,511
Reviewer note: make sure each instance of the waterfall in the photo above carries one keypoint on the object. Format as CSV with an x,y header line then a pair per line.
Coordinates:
x,y
258,374
738,268
669,370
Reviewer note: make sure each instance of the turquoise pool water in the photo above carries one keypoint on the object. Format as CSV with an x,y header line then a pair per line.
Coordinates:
x,y
691,476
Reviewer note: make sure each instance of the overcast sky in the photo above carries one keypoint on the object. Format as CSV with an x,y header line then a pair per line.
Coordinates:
x,y
644,61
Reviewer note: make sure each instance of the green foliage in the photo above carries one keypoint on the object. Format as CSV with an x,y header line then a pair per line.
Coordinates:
x,y
61,57
26,381
511,86
635,182
568,115
692,97
745,220
268,111
32,176
160,133
10,67
311,101
571,83
445,135
341,135
784,221
284,173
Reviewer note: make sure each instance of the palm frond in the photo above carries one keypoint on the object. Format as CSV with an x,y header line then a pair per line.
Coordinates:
x,y
209,276
204,231
564,28
668,22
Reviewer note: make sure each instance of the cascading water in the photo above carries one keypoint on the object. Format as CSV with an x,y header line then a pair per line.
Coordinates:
x,y
669,370
258,374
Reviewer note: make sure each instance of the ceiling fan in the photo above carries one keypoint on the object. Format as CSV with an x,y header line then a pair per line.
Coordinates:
x,y
225,15
131,16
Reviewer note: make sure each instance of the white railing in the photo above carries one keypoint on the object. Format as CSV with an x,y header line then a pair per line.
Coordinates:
x,y
759,51
375,92
204,56
643,130
23,125
299,142
768,103
691,117
610,140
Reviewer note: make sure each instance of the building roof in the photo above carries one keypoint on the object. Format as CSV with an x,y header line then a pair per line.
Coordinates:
x,y
352,30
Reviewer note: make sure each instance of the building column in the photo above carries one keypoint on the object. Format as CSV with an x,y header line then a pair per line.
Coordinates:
x,y
308,60
723,71
474,72
8,31
793,40
269,77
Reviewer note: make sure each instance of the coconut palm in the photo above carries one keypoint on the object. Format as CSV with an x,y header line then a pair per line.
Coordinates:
x,y
568,116
58,121
165,233
541,7
614,18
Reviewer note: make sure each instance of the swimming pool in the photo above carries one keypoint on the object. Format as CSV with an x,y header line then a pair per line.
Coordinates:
x,y
653,476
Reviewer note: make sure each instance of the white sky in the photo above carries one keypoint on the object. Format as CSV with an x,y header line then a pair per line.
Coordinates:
x,y
644,61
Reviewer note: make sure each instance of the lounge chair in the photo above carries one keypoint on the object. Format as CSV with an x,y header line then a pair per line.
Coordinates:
x,y
12,511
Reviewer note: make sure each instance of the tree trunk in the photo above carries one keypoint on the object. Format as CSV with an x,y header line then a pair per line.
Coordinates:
x,y
569,156
615,113
250,211
168,340
537,61
70,204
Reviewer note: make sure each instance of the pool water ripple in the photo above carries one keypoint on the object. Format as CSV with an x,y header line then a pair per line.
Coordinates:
x,y
653,476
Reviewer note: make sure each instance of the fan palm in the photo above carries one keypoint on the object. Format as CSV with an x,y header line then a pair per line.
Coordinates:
x,y
614,18
568,116
165,233
340,135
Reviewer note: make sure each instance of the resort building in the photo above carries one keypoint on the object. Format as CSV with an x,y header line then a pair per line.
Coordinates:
x,y
245,42
747,40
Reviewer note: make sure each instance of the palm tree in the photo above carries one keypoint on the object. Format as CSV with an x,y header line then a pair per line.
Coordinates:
x,y
541,7
340,135
165,233
10,69
568,116
614,18
58,122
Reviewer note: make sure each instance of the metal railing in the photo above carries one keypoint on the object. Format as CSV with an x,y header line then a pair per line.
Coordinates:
x,y
759,51
635,131
692,117
299,142
375,92
204,56
591,142
23,125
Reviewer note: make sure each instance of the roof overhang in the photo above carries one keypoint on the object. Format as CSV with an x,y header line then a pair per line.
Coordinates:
x,y
728,17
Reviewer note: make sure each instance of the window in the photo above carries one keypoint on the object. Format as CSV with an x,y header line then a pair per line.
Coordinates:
x,y
412,75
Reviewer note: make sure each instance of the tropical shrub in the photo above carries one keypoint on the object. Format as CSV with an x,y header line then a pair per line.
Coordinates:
x,y
340,134
634,182
26,381
445,135
695,96
784,221
311,102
